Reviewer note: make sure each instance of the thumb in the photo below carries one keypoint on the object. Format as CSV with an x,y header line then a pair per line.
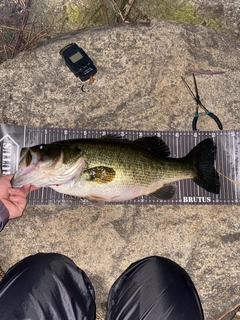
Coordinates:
x,y
26,188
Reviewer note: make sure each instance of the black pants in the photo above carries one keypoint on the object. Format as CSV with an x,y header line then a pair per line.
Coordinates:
x,y
49,286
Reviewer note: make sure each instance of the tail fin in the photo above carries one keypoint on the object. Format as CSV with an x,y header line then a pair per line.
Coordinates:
x,y
202,156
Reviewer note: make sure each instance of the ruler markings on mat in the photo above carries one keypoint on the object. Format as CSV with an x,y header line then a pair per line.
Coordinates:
x,y
13,138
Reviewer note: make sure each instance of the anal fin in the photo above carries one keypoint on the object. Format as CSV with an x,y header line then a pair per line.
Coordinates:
x,y
166,192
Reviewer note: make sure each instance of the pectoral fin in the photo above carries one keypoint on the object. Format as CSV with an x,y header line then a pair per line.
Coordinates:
x,y
166,192
100,174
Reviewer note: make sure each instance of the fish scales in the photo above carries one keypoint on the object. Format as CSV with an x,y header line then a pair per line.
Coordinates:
x,y
131,162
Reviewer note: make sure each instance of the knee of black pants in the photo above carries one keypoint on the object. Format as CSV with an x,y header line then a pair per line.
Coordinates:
x,y
154,288
38,262
46,286
44,265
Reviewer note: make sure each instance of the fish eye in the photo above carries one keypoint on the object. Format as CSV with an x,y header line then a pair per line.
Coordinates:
x,y
41,147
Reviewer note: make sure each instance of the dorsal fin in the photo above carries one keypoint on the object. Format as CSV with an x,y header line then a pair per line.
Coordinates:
x,y
113,137
154,144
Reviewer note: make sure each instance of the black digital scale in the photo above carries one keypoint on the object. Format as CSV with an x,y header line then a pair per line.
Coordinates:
x,y
78,61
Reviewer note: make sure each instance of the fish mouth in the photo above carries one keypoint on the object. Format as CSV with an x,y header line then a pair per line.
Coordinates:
x,y
21,176
33,171
27,164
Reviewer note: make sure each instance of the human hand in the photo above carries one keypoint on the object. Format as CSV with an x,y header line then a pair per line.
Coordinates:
x,y
15,200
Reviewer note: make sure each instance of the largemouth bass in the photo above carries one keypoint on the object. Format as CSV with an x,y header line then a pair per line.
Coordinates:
x,y
112,169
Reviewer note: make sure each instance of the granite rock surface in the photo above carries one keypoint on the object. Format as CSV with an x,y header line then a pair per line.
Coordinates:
x,y
138,86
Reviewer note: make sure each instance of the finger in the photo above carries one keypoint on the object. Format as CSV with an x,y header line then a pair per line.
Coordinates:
x,y
17,192
34,188
15,206
9,177
18,201
26,188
